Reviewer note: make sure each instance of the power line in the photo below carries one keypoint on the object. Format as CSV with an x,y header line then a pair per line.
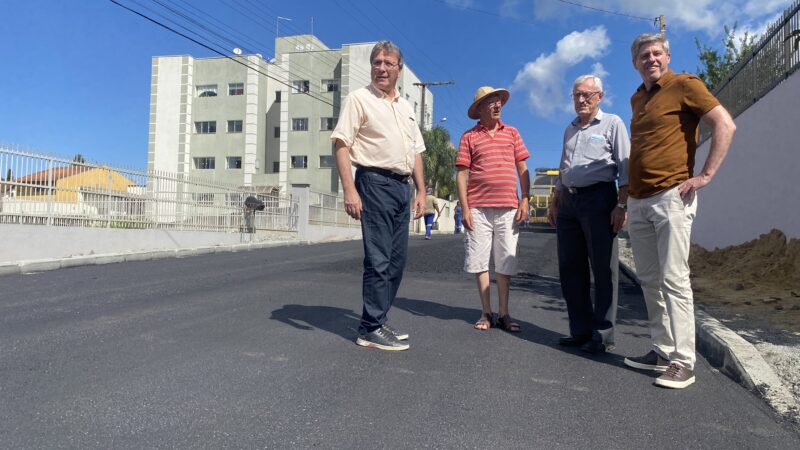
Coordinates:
x,y
581,5
254,14
144,16
436,65
294,75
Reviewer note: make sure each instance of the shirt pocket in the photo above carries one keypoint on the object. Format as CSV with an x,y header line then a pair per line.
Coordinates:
x,y
409,134
595,147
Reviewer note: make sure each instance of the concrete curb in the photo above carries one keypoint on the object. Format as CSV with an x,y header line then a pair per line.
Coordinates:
x,y
737,358
41,265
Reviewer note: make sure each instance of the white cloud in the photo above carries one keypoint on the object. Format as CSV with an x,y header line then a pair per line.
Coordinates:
x,y
689,15
599,71
542,80
758,8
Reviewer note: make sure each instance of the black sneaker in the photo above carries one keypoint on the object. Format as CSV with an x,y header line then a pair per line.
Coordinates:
x,y
650,361
382,339
398,334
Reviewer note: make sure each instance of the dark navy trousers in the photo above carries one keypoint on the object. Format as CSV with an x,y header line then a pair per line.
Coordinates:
x,y
385,217
586,242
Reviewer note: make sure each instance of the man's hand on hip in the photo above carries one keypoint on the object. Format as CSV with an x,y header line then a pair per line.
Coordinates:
x,y
692,185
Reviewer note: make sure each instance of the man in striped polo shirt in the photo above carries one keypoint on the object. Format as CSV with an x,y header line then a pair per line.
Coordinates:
x,y
491,158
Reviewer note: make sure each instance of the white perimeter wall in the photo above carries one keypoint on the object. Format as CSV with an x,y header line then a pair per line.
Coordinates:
x,y
35,242
757,187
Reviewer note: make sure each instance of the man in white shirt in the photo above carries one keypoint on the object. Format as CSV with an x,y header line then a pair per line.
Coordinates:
x,y
377,133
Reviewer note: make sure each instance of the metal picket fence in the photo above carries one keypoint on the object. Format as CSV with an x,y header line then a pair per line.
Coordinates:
x,y
328,209
776,56
40,189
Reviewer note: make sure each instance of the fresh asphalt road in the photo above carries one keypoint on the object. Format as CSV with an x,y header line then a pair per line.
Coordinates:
x,y
256,350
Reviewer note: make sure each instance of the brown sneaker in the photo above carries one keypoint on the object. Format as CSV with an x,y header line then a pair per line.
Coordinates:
x,y
650,361
676,377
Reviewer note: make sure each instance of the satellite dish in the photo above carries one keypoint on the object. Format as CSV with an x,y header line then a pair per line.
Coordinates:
x,y
237,51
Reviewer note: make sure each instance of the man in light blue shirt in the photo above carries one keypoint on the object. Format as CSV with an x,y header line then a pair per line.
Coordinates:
x,y
587,211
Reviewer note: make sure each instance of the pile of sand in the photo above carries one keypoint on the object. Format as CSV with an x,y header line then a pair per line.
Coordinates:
x,y
759,278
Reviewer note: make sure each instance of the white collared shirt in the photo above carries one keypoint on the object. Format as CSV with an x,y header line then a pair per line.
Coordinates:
x,y
379,131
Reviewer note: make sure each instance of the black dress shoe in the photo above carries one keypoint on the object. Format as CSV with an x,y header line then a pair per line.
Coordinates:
x,y
570,341
593,347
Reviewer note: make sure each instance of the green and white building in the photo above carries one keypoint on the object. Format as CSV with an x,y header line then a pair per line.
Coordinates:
x,y
257,123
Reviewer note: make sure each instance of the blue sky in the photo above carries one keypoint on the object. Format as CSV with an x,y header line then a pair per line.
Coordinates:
x,y
76,74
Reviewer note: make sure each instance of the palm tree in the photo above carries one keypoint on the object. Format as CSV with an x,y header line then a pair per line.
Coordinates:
x,y
439,161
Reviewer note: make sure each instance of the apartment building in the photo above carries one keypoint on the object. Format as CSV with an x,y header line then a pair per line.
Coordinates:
x,y
264,124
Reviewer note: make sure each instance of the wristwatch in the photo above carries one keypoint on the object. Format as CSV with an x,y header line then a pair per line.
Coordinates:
x,y
622,206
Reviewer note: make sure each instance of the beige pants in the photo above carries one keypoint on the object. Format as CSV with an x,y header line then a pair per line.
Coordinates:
x,y
660,230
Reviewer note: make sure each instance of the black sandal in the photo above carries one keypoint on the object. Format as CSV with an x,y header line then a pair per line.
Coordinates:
x,y
506,324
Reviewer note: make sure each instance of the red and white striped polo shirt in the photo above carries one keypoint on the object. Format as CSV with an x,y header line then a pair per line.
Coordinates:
x,y
492,163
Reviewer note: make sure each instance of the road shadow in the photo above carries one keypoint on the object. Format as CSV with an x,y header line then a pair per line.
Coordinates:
x,y
631,309
529,332
338,321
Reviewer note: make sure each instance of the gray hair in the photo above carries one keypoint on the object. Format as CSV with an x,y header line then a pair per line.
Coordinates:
x,y
598,83
648,38
387,47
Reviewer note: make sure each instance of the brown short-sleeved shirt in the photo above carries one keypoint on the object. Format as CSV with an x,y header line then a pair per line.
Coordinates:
x,y
664,132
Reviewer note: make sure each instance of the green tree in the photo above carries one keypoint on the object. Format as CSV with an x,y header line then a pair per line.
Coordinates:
x,y
439,161
715,66
79,159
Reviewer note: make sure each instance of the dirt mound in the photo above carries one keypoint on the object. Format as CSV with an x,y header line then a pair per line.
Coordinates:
x,y
760,278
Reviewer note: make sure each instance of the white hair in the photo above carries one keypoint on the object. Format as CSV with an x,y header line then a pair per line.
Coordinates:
x,y
598,83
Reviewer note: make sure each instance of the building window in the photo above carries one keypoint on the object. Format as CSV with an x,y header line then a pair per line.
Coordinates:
x,y
204,163
299,162
236,89
203,198
277,96
276,166
276,132
234,126
205,127
327,123
300,124
327,161
234,162
207,90
329,86
300,86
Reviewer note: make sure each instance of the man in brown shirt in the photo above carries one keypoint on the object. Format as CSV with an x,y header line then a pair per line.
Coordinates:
x,y
662,200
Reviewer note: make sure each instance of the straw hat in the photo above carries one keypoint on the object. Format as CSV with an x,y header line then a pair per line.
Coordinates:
x,y
480,94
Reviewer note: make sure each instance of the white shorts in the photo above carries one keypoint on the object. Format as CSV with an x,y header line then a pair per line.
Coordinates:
x,y
494,231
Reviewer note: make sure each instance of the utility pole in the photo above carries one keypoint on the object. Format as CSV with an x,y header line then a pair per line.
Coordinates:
x,y
424,85
661,25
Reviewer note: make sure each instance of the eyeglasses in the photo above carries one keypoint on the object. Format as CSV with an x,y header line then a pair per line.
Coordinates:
x,y
388,64
584,95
